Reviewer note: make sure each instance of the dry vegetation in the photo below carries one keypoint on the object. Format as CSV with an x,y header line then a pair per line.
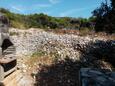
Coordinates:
x,y
48,71
84,33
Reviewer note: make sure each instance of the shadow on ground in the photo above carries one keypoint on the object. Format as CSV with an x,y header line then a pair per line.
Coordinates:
x,y
62,73
66,72
99,54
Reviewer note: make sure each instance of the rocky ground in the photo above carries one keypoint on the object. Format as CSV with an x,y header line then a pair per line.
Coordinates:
x,y
32,40
55,59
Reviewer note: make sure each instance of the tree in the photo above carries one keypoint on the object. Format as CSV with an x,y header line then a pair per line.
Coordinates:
x,y
105,17
113,4
44,21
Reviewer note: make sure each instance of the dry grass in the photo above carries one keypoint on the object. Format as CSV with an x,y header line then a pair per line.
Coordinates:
x,y
62,31
36,60
84,32
50,72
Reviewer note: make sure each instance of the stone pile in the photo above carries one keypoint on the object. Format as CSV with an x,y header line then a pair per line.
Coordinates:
x,y
92,52
29,41
33,40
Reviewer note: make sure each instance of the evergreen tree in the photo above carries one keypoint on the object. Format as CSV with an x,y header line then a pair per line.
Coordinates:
x,y
105,17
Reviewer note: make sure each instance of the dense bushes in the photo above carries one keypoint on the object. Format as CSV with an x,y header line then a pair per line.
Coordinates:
x,y
44,21
105,17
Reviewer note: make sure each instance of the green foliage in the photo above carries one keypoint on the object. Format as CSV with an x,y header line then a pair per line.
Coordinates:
x,y
13,33
44,21
105,17
38,53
